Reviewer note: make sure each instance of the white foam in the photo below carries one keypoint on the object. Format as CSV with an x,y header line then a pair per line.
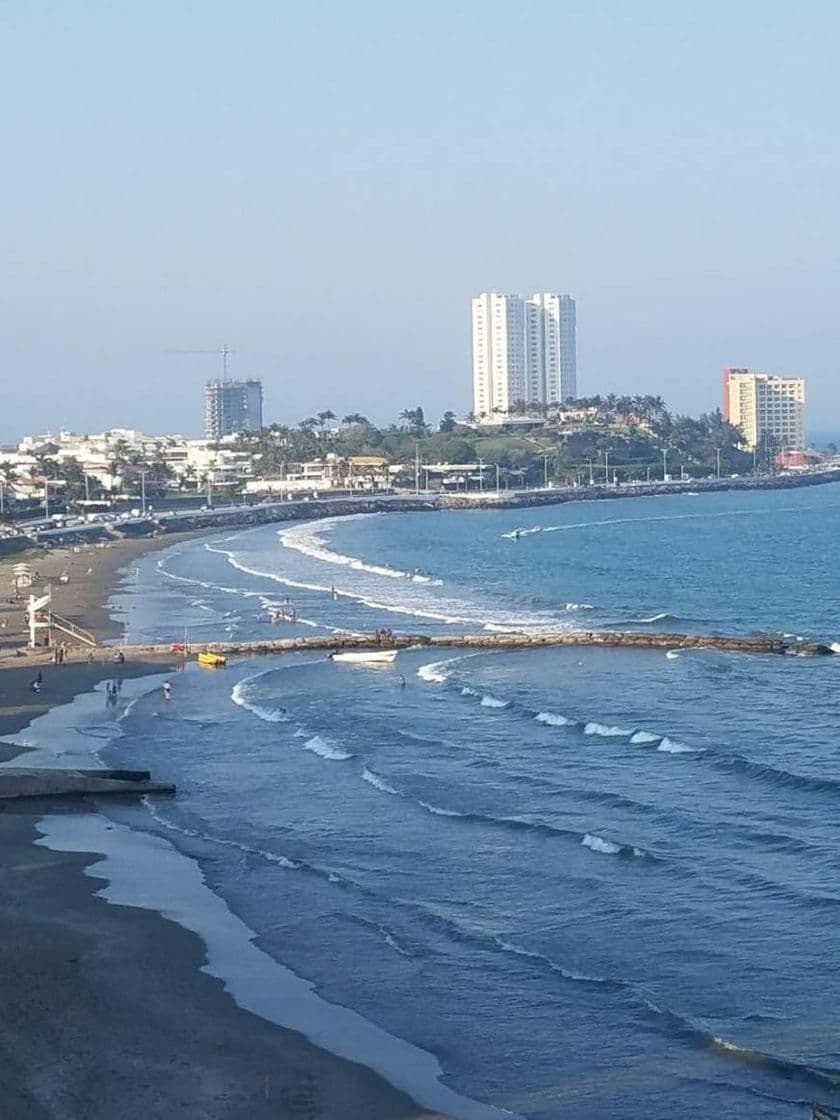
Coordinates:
x,y
569,974
580,607
553,719
835,647
239,696
602,729
467,691
145,871
671,747
599,844
672,654
438,812
434,672
644,737
321,747
488,701
379,783
308,539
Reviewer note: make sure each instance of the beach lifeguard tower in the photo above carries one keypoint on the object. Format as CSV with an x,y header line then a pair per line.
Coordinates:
x,y
42,618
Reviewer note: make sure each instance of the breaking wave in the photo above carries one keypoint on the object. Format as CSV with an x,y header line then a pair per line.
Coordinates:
x,y
644,737
553,719
608,847
308,539
240,696
608,732
324,749
489,701
379,783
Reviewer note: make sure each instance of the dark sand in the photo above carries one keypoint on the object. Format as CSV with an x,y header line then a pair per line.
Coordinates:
x,y
105,1014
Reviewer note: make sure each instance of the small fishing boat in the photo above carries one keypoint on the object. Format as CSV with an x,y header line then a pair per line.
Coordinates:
x,y
365,657
213,660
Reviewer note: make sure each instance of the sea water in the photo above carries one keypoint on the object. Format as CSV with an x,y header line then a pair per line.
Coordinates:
x,y
587,882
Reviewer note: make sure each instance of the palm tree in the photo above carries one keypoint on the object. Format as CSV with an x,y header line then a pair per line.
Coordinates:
x,y
323,417
356,418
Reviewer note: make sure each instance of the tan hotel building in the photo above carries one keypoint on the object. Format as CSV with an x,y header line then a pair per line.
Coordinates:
x,y
762,404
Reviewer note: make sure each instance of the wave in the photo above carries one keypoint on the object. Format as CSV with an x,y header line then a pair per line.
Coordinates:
x,y
553,719
308,539
194,834
608,732
579,607
239,696
644,737
515,824
608,847
566,973
386,934
489,701
670,747
434,672
379,783
436,810
321,747
835,647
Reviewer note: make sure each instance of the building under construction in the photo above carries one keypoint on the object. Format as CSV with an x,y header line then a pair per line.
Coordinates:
x,y
232,406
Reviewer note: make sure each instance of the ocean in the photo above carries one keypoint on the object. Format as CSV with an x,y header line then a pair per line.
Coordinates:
x,y
555,882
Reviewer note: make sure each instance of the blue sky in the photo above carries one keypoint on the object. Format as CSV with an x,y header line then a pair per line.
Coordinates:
x,y
324,188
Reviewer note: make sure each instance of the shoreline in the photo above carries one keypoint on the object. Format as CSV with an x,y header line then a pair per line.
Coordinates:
x,y
161,529
110,1010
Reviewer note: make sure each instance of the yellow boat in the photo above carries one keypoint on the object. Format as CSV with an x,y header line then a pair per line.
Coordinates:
x,y
214,660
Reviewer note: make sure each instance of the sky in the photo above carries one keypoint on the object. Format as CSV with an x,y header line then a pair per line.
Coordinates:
x,y
324,187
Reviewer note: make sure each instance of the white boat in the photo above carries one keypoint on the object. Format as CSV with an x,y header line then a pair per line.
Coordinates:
x,y
366,657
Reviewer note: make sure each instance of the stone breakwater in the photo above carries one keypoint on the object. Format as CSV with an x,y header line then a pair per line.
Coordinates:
x,y
756,644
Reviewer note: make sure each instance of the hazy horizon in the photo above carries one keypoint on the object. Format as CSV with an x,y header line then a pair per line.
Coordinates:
x,y
325,191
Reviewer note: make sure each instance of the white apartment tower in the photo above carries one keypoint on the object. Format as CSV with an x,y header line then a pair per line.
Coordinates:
x,y
498,343
523,351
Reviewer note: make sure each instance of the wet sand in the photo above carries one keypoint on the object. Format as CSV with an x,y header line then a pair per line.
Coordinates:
x,y
106,1014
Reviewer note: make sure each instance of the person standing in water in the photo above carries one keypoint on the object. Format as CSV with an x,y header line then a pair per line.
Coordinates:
x,y
167,690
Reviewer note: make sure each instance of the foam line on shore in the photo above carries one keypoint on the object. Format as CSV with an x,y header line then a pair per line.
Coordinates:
x,y
69,736
145,871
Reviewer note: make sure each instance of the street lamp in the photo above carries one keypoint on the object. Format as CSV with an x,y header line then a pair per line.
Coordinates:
x,y
717,455
664,464
481,474
497,478
607,464
545,471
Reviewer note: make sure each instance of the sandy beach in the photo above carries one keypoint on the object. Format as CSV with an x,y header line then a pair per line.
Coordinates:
x,y
106,1012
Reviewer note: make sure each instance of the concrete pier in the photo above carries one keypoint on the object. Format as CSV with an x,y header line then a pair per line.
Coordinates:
x,y
19,783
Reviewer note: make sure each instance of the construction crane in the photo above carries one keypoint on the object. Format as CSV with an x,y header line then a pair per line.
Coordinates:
x,y
224,350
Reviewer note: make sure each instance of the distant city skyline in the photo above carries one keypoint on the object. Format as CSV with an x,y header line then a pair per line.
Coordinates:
x,y
326,195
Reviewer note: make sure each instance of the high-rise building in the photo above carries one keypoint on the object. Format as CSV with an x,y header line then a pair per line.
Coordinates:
x,y
498,340
232,406
550,348
524,352
766,405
